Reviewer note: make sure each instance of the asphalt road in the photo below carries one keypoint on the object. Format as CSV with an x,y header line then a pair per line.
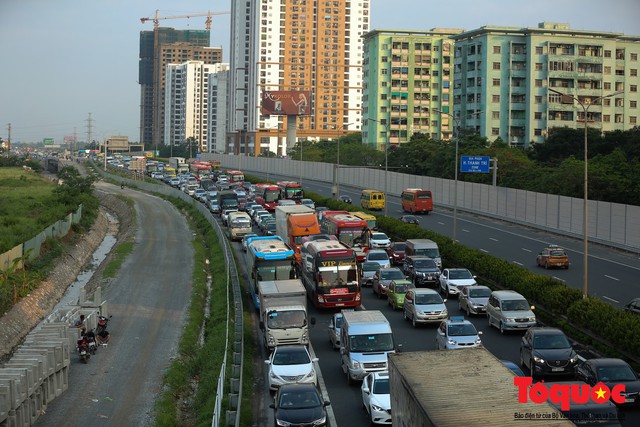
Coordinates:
x,y
148,301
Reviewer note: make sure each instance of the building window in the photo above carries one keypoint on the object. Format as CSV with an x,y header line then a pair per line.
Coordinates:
x,y
632,120
384,71
537,132
538,100
607,70
633,104
537,115
538,66
633,72
495,99
495,131
538,82
496,49
385,59
633,56
495,115
606,118
633,88
607,54
496,82
607,85
496,65
539,50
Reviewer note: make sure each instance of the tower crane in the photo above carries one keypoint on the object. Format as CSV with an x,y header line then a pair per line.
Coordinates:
x,y
208,14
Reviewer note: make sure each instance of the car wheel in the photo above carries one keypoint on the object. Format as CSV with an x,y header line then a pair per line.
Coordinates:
x,y
468,311
413,321
501,327
546,265
404,315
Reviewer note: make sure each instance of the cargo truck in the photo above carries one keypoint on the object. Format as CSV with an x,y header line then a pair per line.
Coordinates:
x,y
179,164
295,222
283,312
227,199
466,387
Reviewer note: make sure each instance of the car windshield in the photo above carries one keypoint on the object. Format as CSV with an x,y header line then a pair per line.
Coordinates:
x,y
424,263
515,305
462,330
381,386
399,247
299,400
338,321
424,299
377,255
379,236
431,253
479,293
370,266
291,357
557,253
391,274
615,373
548,341
400,289
460,274
370,343
410,218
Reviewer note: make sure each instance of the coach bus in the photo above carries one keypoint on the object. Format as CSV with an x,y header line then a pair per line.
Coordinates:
x,y
417,200
268,259
350,230
235,177
330,274
290,190
267,195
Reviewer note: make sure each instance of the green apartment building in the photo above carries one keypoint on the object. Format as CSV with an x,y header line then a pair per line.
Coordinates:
x,y
406,75
509,82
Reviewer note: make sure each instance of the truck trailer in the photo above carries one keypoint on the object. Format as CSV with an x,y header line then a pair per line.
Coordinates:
x,y
465,387
283,312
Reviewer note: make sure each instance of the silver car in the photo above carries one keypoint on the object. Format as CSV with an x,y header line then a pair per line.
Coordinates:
x,y
457,332
383,277
474,299
334,330
368,270
424,306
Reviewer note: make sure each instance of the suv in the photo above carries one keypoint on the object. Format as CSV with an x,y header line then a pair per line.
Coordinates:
x,y
547,351
424,306
553,256
422,271
508,310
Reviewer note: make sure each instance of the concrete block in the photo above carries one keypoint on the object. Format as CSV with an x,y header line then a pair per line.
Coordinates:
x,y
46,355
5,402
37,364
29,382
15,392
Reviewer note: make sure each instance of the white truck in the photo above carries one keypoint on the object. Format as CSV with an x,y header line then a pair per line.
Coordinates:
x,y
283,312
461,388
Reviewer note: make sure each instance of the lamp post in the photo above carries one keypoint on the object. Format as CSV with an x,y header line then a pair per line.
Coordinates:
x,y
386,161
456,135
338,129
585,214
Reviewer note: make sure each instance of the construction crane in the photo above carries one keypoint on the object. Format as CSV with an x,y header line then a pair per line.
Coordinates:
x,y
156,19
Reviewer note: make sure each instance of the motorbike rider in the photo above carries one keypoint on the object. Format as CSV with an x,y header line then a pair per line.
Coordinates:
x,y
122,185
103,337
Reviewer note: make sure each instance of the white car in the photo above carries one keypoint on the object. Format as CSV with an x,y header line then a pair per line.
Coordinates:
x,y
379,241
380,256
376,397
308,202
291,364
454,279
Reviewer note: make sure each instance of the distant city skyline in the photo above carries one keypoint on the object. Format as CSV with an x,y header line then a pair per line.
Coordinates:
x,y
64,59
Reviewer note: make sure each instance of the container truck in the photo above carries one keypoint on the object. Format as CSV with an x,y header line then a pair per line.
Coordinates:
x,y
295,222
179,164
466,387
283,312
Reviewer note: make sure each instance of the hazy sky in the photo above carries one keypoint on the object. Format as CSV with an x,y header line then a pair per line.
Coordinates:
x,y
63,59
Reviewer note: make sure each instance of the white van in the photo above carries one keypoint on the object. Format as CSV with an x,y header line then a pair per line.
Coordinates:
x,y
510,311
365,341
424,247
239,225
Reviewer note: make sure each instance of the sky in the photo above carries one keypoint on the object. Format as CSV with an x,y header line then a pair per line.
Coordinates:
x,y
61,60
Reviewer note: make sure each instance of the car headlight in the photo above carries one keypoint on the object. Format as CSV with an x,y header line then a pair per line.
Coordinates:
x,y
574,359
375,407
538,359
311,374
283,423
532,319
478,341
451,342
355,364
320,421
510,319
445,312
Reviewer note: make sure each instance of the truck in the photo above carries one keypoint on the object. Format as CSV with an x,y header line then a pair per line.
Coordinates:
x,y
239,225
179,164
283,312
295,222
463,387
366,341
227,199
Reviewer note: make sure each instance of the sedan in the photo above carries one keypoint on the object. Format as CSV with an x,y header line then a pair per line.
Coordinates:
x,y
424,306
368,271
379,241
346,199
456,332
291,364
396,252
299,404
410,219
380,256
611,372
397,291
308,202
452,280
383,277
547,351
474,299
376,397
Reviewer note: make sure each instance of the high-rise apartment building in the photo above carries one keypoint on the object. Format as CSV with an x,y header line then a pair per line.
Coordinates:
x,y
218,108
505,78
407,74
171,46
294,45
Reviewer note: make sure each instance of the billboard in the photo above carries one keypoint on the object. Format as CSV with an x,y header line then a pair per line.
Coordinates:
x,y
286,102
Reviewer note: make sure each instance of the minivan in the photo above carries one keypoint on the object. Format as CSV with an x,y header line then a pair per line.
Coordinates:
x,y
510,311
424,247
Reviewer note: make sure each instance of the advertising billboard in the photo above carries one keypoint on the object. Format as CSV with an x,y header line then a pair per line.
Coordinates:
x,y
286,102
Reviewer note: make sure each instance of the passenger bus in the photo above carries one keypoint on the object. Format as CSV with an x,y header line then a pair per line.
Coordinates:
x,y
199,169
372,200
268,258
235,176
372,221
330,274
267,195
290,190
350,230
417,200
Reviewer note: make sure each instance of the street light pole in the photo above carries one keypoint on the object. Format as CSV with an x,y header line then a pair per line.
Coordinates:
x,y
386,162
585,214
456,135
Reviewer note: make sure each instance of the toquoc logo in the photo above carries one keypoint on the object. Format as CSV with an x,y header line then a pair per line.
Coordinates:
x,y
566,394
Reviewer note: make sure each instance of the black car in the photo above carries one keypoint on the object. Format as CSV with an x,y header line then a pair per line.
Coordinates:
x,y
590,413
611,372
299,404
345,198
633,306
547,351
422,271
410,219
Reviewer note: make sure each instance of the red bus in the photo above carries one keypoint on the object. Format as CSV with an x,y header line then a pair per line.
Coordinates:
x,y
350,230
291,190
267,195
417,200
199,169
235,176
330,274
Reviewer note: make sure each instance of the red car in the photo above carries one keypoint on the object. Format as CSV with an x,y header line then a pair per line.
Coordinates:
x,y
396,252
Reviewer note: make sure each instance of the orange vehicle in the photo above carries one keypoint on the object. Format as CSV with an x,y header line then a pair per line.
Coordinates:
x,y
295,222
417,200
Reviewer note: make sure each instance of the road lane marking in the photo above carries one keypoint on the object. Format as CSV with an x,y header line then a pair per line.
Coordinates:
x,y
465,230
526,250
610,299
484,250
612,278
441,223
491,238
519,263
557,278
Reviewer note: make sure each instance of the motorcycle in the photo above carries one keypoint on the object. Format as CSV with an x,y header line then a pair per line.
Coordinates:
x,y
102,327
91,341
83,349
122,186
